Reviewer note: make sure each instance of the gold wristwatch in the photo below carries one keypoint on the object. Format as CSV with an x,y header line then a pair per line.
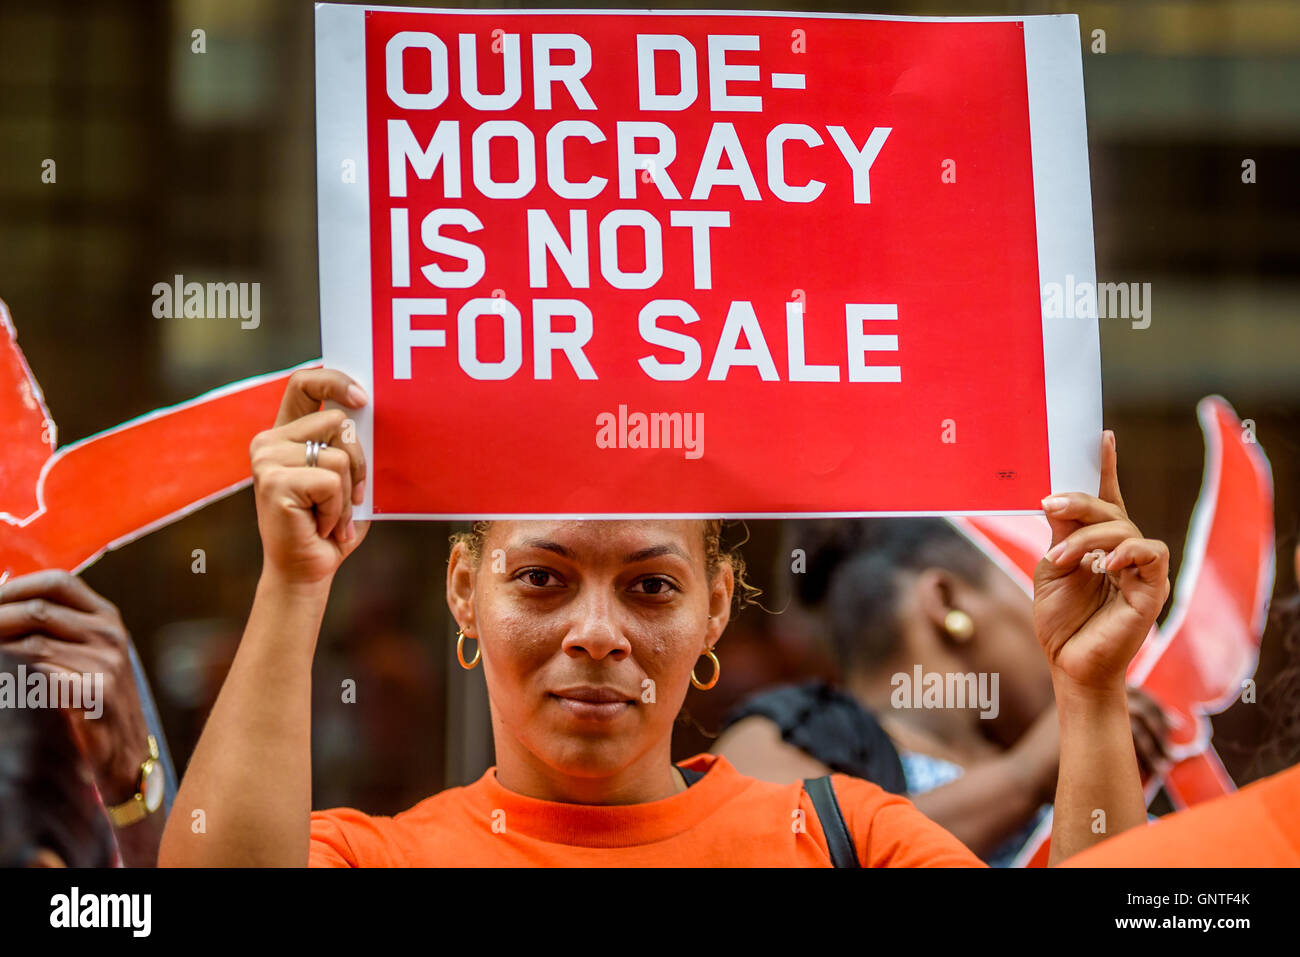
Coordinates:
x,y
148,798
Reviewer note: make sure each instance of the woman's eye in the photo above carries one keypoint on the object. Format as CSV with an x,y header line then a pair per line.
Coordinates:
x,y
538,577
656,586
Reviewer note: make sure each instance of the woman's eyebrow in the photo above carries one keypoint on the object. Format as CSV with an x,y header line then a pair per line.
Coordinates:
x,y
654,551
546,544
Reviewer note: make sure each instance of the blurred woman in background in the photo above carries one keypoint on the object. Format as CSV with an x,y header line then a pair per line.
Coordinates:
x,y
897,595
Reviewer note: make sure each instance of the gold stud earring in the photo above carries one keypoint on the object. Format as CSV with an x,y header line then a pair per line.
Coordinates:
x,y
460,651
959,625
717,670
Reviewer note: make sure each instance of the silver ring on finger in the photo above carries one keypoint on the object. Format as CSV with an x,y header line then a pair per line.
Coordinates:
x,y
313,453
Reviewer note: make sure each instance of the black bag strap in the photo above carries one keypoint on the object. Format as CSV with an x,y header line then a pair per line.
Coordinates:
x,y
689,775
838,838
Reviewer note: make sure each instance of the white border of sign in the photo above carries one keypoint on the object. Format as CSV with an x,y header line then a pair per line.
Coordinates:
x,y
1062,211
343,217
1058,140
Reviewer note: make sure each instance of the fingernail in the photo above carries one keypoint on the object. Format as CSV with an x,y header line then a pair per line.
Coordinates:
x,y
1055,552
350,531
1054,503
359,492
357,395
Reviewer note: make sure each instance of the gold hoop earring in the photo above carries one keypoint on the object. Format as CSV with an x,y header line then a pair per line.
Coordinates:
x,y
460,651
959,624
717,670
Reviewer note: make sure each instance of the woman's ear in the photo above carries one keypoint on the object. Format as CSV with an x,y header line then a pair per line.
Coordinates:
x,y
460,588
724,583
936,592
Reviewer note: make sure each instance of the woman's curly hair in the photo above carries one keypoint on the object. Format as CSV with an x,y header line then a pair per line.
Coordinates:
x,y
716,553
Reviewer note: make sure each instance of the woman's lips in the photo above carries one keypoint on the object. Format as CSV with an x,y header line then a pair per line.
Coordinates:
x,y
592,710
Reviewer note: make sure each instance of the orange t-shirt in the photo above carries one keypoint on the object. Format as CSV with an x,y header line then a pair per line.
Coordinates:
x,y
724,819
1258,826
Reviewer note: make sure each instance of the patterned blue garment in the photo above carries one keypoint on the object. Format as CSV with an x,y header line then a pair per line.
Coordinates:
x,y
925,773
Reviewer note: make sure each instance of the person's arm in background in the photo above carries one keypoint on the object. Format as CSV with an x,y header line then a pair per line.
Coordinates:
x,y
996,798
54,622
250,775
1090,624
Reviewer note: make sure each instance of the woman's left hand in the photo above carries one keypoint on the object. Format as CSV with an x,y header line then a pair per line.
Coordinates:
x,y
1100,586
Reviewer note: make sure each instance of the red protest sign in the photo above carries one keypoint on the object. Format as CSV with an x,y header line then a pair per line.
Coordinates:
x,y
725,264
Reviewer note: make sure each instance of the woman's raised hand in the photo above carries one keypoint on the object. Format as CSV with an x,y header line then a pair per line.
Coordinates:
x,y
304,512
1100,586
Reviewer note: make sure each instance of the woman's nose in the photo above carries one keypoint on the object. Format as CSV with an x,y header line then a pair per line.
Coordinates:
x,y
596,629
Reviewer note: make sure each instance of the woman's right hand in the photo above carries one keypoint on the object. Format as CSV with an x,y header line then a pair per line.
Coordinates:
x,y
304,515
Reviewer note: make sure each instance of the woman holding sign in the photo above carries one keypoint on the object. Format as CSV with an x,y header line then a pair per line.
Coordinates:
x,y
588,633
